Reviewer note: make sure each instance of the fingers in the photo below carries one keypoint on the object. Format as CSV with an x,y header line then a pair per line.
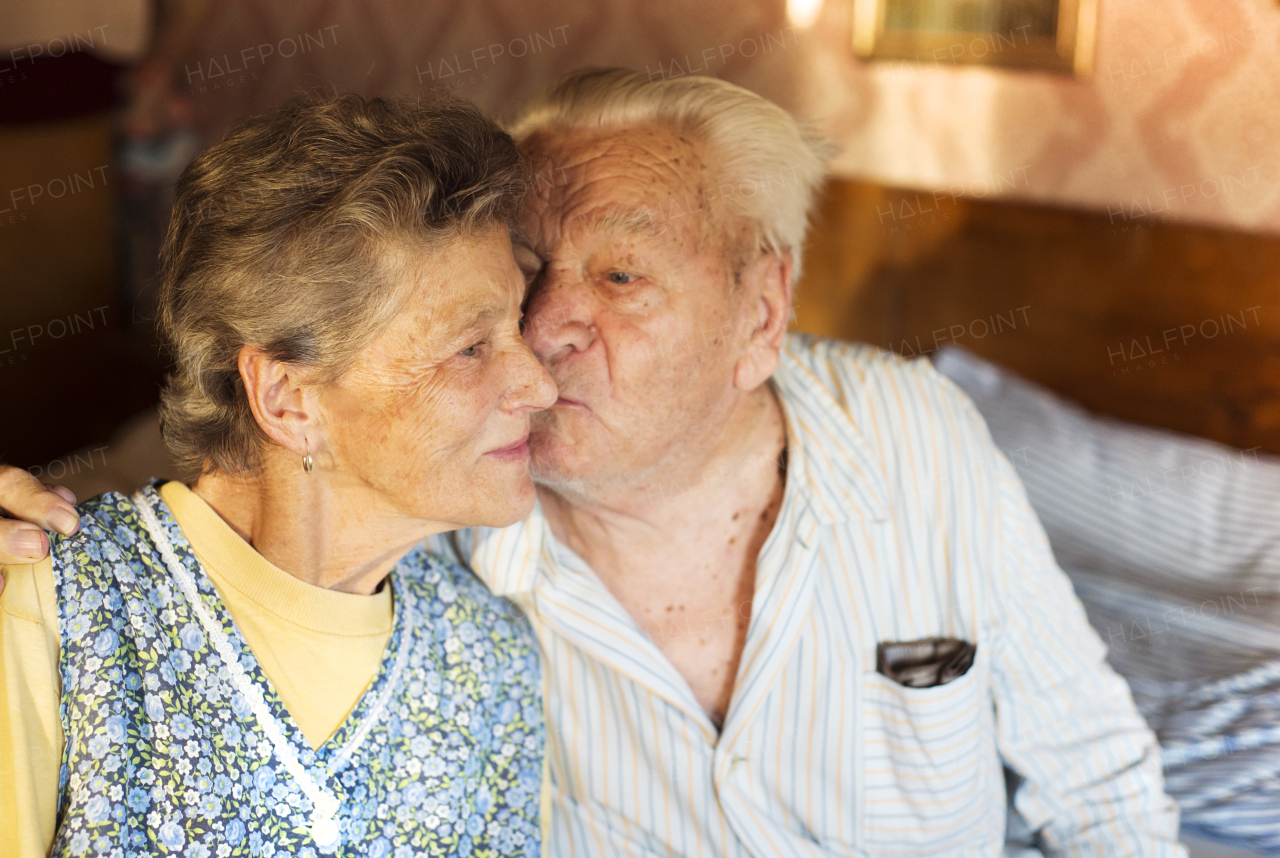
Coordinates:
x,y
63,492
21,542
31,507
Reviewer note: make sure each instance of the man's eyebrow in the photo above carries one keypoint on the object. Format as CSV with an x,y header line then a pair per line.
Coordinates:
x,y
626,221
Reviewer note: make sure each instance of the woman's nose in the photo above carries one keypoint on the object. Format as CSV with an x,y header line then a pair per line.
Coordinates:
x,y
535,389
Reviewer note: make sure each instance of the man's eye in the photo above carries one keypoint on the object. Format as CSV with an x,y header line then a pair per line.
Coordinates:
x,y
621,278
472,351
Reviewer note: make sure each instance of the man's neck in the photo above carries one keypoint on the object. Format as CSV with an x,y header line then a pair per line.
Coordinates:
x,y
675,509
682,564
324,536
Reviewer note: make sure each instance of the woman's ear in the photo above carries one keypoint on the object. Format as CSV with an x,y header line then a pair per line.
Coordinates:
x,y
768,297
277,395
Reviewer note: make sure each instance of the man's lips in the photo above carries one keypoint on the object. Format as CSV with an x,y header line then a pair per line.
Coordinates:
x,y
512,452
566,402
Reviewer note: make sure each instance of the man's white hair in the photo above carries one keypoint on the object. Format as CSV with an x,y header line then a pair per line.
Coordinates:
x,y
767,167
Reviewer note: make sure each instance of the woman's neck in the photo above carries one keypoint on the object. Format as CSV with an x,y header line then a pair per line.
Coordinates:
x,y
345,539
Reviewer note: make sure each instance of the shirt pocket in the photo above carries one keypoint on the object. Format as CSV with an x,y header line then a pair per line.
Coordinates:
x,y
931,773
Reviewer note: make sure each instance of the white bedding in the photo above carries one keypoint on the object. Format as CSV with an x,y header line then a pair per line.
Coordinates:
x,y
1173,545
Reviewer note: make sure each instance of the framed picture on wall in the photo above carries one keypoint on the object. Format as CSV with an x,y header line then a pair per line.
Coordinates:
x,y
1049,35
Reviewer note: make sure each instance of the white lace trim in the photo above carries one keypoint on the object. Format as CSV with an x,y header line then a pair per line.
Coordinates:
x,y
324,805
374,715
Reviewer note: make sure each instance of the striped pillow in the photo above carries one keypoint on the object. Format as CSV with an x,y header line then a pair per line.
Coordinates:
x,y
1154,507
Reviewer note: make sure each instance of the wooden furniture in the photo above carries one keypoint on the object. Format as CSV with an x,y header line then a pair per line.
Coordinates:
x,y
1145,319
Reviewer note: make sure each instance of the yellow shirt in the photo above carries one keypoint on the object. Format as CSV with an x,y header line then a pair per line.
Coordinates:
x,y
319,648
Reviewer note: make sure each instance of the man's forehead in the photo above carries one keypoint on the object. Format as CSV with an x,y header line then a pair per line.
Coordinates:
x,y
613,214
626,181
636,154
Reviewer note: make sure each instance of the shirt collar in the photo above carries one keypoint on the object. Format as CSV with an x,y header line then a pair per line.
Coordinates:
x,y
828,456
832,464
506,558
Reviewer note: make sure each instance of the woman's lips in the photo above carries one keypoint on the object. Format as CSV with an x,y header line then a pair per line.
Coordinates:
x,y
516,452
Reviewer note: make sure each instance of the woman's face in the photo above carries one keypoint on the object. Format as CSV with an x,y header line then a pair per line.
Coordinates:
x,y
433,417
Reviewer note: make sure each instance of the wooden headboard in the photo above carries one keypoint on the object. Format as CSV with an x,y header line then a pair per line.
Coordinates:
x,y
1137,317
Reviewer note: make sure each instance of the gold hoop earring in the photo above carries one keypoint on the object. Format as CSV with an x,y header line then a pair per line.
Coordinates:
x,y
307,461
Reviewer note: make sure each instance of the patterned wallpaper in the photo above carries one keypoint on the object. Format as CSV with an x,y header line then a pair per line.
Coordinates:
x,y
1178,122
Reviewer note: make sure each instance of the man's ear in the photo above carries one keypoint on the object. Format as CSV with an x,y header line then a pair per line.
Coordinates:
x,y
277,395
768,286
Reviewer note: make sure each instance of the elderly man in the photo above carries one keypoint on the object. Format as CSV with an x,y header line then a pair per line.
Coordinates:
x,y
792,600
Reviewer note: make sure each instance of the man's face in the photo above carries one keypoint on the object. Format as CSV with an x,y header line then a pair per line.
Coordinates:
x,y
634,309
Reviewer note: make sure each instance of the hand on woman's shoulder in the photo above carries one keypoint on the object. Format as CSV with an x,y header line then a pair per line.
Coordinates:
x,y
27,508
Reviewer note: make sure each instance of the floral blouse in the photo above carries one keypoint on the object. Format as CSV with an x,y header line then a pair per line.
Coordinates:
x,y
165,753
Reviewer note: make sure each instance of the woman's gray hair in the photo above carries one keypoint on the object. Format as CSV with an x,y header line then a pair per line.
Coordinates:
x,y
767,166
287,235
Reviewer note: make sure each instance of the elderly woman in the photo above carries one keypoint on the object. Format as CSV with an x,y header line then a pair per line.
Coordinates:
x,y
266,662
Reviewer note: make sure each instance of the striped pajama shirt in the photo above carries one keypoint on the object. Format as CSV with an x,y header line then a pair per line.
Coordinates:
x,y
900,521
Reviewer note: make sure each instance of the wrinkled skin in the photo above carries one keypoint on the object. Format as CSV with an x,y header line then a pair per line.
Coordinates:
x,y
424,432
660,319
416,418
630,318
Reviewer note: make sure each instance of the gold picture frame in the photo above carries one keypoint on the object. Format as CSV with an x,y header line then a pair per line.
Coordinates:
x,y
1059,35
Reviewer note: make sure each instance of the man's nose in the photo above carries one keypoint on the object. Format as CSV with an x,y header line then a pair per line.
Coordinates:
x,y
559,316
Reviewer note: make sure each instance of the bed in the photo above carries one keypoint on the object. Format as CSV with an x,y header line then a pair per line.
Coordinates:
x,y
1173,545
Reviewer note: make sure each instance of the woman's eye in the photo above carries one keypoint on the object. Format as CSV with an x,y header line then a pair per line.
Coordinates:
x,y
621,278
472,351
